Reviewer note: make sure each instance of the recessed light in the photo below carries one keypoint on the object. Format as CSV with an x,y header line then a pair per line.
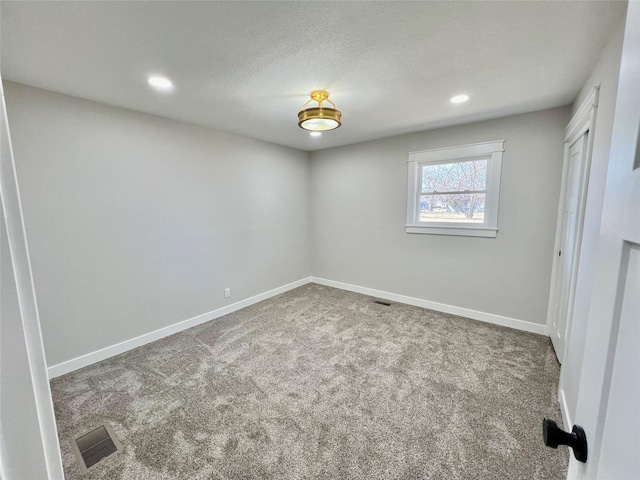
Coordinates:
x,y
315,134
160,83
459,99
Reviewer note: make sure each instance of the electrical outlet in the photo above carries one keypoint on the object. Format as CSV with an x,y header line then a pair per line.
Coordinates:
x,y
227,292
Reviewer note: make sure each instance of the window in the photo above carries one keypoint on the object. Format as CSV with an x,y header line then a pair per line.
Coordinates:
x,y
455,190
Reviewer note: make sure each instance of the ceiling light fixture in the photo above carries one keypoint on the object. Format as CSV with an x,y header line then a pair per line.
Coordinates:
x,y
160,83
319,119
459,99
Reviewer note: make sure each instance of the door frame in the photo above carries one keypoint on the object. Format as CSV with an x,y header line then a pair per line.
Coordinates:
x,y
46,448
583,121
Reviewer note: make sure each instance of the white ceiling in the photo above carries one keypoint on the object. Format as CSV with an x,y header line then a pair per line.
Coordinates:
x,y
246,67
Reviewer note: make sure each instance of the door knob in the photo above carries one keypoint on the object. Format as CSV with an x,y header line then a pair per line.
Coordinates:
x,y
554,436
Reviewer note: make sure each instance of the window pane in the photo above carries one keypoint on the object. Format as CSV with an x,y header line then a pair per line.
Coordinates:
x,y
454,177
465,208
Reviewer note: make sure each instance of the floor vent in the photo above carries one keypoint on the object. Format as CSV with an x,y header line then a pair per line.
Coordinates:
x,y
95,446
382,302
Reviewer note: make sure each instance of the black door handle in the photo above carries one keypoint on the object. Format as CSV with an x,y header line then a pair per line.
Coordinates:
x,y
554,436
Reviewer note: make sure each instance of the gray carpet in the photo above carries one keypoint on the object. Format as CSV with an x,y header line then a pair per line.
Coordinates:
x,y
319,383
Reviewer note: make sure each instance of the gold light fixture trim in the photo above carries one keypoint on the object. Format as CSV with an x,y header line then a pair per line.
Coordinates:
x,y
319,119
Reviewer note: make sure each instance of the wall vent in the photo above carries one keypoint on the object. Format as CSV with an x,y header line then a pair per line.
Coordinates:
x,y
93,447
382,302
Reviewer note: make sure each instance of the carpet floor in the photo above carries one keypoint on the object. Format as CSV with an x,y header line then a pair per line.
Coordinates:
x,y
320,383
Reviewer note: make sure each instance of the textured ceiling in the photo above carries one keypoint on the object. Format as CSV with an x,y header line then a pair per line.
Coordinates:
x,y
246,67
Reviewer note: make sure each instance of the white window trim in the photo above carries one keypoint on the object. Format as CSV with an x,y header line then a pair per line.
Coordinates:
x,y
489,150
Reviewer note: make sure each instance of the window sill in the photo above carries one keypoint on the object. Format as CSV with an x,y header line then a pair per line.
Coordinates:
x,y
452,230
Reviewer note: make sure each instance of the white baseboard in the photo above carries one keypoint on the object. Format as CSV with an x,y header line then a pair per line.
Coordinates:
x,y
440,307
107,352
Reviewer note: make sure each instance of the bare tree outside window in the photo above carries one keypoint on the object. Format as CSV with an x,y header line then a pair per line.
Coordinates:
x,y
453,192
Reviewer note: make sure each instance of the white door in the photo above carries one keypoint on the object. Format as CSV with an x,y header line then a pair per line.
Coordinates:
x,y
568,250
609,397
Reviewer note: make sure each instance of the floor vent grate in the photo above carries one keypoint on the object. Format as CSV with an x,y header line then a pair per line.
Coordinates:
x,y
382,302
95,446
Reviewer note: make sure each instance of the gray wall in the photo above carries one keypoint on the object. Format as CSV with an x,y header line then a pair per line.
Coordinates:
x,y
605,74
358,209
138,222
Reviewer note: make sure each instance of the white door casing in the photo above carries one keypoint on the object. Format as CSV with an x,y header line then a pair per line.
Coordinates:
x,y
578,145
568,250
609,395
45,446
